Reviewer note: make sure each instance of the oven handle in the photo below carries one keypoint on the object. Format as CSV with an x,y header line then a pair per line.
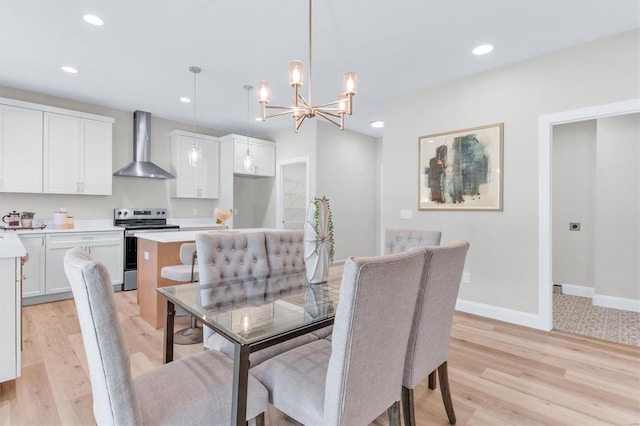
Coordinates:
x,y
145,231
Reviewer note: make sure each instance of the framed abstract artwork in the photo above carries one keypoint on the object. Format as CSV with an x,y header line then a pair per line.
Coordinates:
x,y
461,170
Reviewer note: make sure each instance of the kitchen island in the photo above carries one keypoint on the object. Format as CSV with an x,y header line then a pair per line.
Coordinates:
x,y
11,253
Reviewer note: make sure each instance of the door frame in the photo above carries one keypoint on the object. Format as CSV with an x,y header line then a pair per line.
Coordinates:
x,y
546,123
279,183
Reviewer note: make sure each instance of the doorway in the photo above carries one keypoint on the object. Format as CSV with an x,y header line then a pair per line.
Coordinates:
x,y
545,251
292,192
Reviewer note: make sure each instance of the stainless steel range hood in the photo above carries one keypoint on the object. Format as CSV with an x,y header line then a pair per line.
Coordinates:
x,y
141,166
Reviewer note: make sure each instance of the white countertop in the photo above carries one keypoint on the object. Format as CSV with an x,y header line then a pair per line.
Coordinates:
x,y
11,246
184,236
78,226
194,222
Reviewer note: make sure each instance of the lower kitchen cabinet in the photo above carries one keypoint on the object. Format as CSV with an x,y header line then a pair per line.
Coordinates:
x,y
33,271
43,274
10,313
106,247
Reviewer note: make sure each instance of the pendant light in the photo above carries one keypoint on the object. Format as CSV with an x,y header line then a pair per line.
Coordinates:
x,y
195,153
248,161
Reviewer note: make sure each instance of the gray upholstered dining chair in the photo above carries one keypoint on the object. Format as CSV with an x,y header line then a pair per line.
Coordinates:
x,y
399,240
223,255
428,347
192,390
356,376
285,250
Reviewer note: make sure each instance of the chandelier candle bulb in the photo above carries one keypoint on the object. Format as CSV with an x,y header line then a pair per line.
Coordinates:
x,y
264,92
296,70
350,83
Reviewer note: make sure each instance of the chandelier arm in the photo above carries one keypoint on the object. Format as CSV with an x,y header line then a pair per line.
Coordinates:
x,y
279,114
280,107
298,122
327,112
304,102
328,104
329,119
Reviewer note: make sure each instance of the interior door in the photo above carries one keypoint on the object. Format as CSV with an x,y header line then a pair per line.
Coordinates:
x,y
293,186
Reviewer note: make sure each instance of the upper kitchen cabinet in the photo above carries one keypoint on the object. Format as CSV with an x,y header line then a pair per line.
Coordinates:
x,y
195,179
261,152
77,155
20,149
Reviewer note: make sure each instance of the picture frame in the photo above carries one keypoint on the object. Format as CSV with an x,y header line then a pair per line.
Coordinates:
x,y
461,169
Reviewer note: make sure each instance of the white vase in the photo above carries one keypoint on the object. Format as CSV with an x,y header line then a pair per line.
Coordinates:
x,y
317,241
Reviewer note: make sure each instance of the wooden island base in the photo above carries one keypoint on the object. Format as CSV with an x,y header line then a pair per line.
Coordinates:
x,y
152,304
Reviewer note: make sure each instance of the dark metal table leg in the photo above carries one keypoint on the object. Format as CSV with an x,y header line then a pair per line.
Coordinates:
x,y
240,385
169,320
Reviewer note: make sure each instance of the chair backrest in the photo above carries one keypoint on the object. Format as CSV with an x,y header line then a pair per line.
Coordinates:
x,y
429,340
370,334
114,399
399,240
229,255
285,250
187,252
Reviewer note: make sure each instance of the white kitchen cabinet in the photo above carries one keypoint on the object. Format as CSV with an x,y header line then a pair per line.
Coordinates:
x,y
201,180
33,271
105,247
77,155
263,156
10,312
20,149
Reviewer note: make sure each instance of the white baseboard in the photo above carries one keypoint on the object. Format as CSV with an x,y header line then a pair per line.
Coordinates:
x,y
632,305
578,290
502,314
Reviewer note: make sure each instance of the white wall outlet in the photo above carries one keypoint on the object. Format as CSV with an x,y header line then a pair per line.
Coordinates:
x,y
146,255
195,212
406,214
235,212
466,277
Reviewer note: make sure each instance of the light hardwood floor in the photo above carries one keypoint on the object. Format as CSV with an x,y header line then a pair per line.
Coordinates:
x,y
499,373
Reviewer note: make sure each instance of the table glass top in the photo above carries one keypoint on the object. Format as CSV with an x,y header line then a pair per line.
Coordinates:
x,y
256,308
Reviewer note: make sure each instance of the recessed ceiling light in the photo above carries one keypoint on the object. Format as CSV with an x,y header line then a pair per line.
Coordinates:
x,y
258,118
378,124
70,70
93,20
483,49
185,99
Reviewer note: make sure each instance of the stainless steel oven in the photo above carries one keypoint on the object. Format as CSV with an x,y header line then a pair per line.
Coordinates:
x,y
137,221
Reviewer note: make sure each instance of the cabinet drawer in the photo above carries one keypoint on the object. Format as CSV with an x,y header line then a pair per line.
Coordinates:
x,y
81,239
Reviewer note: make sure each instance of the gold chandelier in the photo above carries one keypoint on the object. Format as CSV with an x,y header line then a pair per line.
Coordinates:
x,y
302,108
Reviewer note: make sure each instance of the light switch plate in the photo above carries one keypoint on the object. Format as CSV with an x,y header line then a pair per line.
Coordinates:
x,y
406,214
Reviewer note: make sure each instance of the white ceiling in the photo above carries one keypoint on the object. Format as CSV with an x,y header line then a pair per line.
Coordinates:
x,y
140,58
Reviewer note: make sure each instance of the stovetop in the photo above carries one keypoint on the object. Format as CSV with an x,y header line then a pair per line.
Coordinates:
x,y
146,218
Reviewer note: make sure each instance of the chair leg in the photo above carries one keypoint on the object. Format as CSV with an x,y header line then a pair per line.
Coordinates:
x,y
259,420
394,414
446,393
407,407
432,380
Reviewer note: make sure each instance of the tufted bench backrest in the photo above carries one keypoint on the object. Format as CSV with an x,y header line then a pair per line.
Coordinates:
x,y
399,240
285,250
229,255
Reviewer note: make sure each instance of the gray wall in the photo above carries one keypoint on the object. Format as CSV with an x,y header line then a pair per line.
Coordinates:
x,y
503,257
617,239
251,198
347,176
574,200
127,192
341,167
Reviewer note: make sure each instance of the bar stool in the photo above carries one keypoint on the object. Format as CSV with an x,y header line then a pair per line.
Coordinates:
x,y
186,272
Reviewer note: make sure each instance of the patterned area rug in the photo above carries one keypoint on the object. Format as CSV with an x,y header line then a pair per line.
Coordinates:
x,y
577,315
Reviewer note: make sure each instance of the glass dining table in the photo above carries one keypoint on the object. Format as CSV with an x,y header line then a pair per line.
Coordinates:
x,y
253,313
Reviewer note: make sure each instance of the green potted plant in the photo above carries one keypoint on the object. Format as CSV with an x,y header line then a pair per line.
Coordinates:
x,y
27,219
